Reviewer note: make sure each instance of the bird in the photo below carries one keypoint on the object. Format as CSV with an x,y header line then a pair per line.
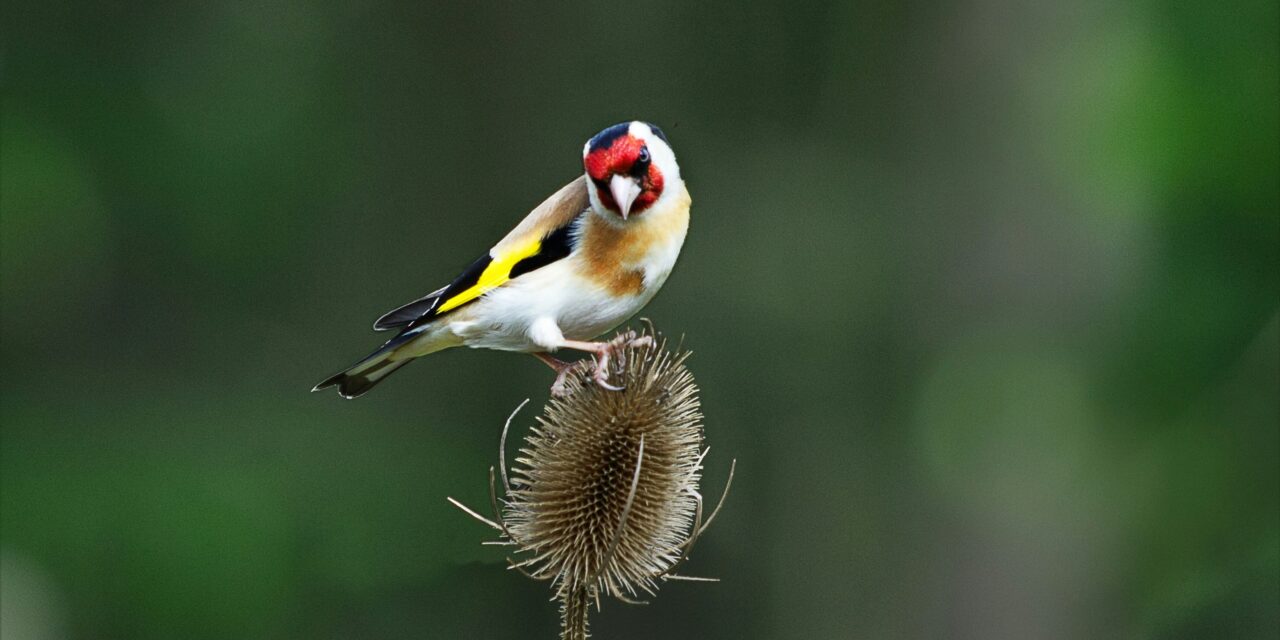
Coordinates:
x,y
580,264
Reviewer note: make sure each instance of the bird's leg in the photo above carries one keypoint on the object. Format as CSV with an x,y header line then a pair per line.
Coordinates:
x,y
603,352
562,369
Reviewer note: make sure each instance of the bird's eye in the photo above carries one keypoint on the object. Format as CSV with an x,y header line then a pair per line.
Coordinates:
x,y
644,156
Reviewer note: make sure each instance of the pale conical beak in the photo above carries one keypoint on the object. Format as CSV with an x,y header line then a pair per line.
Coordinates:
x,y
625,190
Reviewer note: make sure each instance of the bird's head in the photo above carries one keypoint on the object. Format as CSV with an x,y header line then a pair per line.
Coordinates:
x,y
628,165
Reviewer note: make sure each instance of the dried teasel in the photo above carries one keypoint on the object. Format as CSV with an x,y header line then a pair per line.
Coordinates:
x,y
604,495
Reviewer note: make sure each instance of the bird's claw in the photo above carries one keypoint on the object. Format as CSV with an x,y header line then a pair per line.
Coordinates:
x,y
627,340
643,341
605,354
560,388
602,379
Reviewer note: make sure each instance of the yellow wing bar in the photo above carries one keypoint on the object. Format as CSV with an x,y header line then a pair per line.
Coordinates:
x,y
493,276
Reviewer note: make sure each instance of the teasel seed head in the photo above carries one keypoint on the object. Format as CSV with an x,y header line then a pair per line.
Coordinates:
x,y
604,495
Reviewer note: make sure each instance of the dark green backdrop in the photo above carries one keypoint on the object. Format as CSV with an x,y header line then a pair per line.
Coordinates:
x,y
983,297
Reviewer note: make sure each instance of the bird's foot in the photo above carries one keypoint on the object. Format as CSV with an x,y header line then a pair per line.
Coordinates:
x,y
617,349
560,388
625,340
605,353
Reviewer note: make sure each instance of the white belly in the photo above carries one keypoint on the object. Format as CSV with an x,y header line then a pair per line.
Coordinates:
x,y
505,318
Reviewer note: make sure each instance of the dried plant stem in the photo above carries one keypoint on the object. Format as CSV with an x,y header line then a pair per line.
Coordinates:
x,y
573,615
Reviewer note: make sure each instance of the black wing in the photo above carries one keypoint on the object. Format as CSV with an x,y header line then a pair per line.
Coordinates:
x,y
550,223
403,315
555,246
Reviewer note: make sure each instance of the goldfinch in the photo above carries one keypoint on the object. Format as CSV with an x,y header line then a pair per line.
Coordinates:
x,y
580,264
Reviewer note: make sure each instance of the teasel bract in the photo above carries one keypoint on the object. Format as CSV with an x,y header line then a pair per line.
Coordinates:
x,y
604,498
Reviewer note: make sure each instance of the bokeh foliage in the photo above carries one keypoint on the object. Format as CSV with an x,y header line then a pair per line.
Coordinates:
x,y
983,297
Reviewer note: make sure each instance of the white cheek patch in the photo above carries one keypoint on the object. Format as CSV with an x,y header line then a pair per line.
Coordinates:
x,y
594,197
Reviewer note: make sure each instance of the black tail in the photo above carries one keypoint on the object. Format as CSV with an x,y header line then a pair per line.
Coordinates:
x,y
359,379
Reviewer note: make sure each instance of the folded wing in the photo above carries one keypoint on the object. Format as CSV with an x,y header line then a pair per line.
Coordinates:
x,y
543,237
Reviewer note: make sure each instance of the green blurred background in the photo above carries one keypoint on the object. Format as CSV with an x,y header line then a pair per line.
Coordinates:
x,y
984,298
